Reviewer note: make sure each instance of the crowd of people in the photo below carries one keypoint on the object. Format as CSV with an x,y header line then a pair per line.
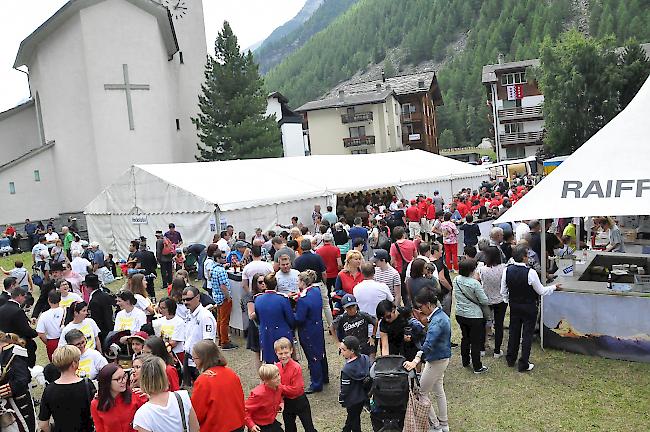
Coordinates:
x,y
378,277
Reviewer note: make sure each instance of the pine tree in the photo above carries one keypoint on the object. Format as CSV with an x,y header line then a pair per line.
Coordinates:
x,y
232,124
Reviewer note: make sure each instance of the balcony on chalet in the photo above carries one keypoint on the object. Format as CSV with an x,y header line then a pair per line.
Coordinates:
x,y
521,138
356,117
413,117
521,113
367,140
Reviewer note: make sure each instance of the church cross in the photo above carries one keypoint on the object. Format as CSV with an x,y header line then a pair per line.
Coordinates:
x,y
127,87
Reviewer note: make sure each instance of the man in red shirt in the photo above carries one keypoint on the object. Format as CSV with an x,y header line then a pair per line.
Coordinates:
x,y
331,256
402,253
462,208
413,217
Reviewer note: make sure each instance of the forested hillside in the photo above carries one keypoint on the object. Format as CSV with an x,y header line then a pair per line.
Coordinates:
x,y
292,35
426,30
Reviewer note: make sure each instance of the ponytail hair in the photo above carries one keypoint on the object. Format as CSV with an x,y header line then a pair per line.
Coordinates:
x,y
75,307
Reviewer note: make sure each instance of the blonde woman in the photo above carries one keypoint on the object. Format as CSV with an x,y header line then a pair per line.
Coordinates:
x,y
347,279
165,411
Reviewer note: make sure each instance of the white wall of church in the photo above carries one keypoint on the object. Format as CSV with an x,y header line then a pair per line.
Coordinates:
x,y
57,72
18,133
33,199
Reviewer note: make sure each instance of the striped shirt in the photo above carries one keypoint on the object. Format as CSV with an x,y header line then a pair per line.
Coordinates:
x,y
390,277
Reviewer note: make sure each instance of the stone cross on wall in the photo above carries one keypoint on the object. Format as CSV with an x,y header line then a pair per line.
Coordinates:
x,y
127,87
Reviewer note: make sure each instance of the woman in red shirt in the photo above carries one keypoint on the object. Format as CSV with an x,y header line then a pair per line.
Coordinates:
x,y
350,276
218,397
115,405
157,347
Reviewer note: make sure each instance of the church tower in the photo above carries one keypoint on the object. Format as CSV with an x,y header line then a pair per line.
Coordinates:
x,y
188,19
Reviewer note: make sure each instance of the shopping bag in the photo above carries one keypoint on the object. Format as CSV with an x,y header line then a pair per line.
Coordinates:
x,y
417,412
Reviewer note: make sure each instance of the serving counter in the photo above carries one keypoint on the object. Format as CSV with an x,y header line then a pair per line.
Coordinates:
x,y
589,318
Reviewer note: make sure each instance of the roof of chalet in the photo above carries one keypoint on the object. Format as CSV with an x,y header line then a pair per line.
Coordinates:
x,y
489,73
30,154
346,100
31,42
402,84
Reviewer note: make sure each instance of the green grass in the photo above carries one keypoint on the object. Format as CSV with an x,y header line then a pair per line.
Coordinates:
x,y
565,392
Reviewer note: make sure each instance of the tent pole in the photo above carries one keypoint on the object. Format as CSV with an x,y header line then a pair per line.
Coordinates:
x,y
543,262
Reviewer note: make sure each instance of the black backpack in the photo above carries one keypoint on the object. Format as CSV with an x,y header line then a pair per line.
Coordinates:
x,y
390,385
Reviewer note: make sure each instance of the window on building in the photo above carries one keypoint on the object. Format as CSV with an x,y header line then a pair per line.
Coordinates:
x,y
360,151
37,175
513,78
408,108
397,130
180,57
12,188
515,152
178,124
514,127
356,132
409,129
350,111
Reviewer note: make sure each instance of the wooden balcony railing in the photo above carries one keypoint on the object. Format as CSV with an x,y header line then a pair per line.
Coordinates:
x,y
356,117
411,117
359,141
521,113
521,138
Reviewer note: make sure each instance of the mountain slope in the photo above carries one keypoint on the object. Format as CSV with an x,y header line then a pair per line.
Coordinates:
x,y
294,23
430,30
314,16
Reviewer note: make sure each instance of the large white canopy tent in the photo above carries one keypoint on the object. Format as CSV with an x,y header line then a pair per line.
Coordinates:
x,y
199,197
607,175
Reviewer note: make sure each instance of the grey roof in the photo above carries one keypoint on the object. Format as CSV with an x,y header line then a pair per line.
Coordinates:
x,y
30,154
489,73
29,44
646,48
371,97
18,108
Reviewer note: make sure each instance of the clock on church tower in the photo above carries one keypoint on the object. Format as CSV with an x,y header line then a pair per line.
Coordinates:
x,y
177,8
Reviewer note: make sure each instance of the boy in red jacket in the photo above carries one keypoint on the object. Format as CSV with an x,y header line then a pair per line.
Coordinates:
x,y
293,388
265,402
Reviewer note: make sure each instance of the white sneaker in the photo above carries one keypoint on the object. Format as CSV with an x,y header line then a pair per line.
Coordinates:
x,y
445,428
432,429
530,368
498,354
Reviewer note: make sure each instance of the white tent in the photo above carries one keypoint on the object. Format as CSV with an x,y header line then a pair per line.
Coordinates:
x,y
607,175
201,197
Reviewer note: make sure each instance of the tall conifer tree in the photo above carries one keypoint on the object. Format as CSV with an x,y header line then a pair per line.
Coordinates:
x,y
232,122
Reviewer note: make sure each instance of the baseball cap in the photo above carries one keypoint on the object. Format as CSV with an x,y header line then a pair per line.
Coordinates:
x,y
380,254
328,237
349,300
240,244
143,336
159,233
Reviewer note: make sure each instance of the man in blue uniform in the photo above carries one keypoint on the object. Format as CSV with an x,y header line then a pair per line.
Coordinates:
x,y
309,321
273,311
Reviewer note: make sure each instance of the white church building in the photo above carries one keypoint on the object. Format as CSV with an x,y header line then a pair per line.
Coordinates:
x,y
113,83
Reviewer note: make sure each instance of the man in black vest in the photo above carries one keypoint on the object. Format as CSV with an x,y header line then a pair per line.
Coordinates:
x,y
100,306
14,320
521,287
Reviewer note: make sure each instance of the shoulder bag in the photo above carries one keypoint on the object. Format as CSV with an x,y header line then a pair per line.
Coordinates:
x,y
182,410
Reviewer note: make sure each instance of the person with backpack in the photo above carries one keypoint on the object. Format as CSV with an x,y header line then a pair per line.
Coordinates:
x,y
353,395
402,253
164,255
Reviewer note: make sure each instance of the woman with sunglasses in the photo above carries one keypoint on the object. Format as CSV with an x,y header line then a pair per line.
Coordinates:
x,y
115,405
253,337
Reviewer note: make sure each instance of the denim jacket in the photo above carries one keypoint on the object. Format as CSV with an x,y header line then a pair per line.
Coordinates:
x,y
437,343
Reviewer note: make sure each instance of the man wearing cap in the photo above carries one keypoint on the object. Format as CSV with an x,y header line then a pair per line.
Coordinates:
x,y
98,256
386,274
355,323
174,236
239,254
369,292
413,217
100,306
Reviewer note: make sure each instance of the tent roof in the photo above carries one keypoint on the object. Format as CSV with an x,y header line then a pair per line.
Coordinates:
x,y
239,184
607,175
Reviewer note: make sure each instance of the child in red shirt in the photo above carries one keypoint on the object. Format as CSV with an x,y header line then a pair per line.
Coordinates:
x,y
265,402
293,388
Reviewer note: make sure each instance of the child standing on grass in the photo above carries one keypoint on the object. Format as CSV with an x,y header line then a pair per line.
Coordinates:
x,y
293,388
353,395
265,402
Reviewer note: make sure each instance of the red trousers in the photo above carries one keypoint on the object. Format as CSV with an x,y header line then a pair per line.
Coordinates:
x,y
223,324
50,346
451,256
